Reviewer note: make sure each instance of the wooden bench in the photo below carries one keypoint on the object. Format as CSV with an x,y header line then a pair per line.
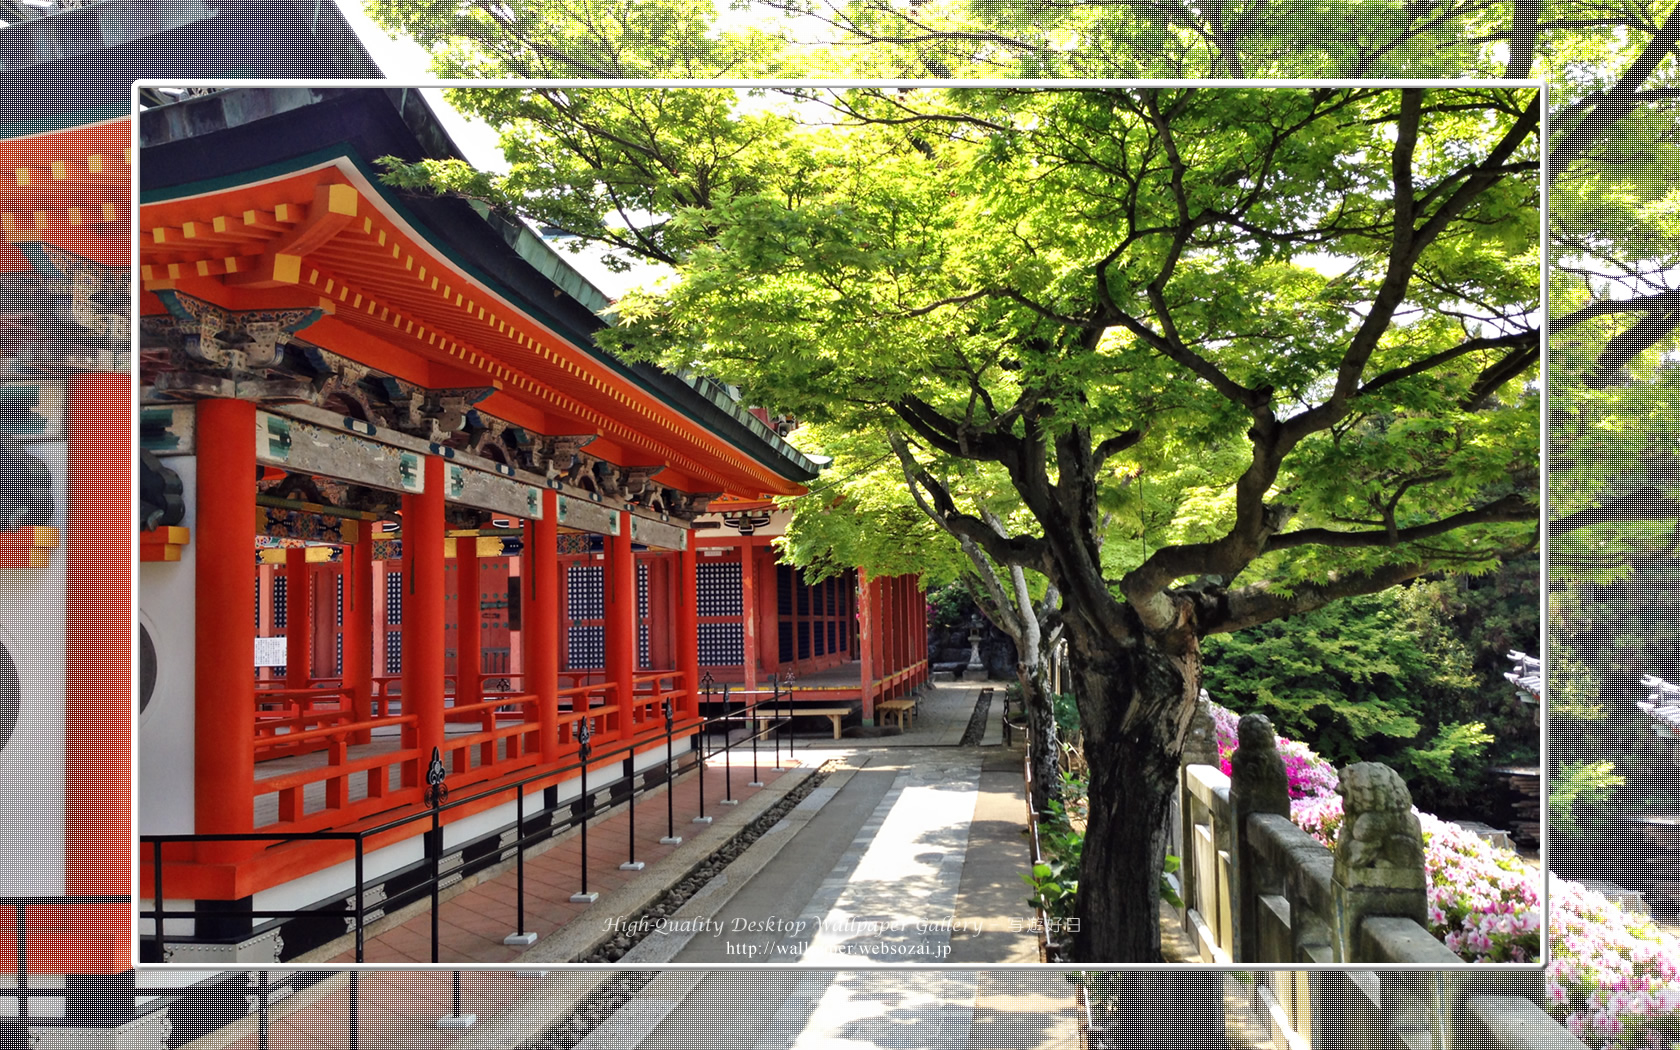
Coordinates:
x,y
902,709
834,714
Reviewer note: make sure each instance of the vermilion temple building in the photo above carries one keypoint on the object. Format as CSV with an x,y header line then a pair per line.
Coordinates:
x,y
395,500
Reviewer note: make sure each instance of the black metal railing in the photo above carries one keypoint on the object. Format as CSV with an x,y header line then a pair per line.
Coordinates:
x,y
426,877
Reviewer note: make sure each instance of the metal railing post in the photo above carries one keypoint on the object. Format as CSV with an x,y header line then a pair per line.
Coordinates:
x,y
262,1010
456,1018
787,719
752,727
671,838
704,734
355,1007
519,936
157,894
436,792
361,903
729,798
630,764
586,729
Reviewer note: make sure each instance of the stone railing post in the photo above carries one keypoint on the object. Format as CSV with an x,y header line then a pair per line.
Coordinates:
x,y
1201,747
1378,858
1259,784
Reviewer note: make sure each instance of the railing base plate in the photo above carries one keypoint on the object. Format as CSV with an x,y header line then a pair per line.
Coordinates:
x,y
755,783
632,865
457,1021
585,898
702,820
729,802
671,840
524,940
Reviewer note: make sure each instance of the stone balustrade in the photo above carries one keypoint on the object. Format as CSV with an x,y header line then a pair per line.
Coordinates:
x,y
1259,890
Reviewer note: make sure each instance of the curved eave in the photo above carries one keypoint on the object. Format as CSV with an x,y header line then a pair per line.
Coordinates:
x,y
504,257
705,400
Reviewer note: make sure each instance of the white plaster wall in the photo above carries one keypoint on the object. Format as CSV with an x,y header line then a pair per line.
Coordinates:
x,y
166,728
32,763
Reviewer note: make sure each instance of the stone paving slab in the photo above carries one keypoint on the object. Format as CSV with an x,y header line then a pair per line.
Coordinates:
x,y
894,898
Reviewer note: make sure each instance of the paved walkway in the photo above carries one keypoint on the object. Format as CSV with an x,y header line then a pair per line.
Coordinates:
x,y
910,853
476,916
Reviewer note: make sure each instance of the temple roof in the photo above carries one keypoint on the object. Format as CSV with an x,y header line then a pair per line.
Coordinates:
x,y
71,62
271,196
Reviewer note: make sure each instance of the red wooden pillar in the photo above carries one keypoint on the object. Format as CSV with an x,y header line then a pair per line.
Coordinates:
x,y
922,639
297,617
903,624
866,643
769,608
687,625
423,615
620,585
541,622
900,637
324,579
749,615
97,684
663,645
224,630
469,623
358,628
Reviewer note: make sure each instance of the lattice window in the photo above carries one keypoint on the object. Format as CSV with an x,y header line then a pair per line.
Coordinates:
x,y
585,592
393,652
804,640
784,641
256,605
721,645
393,598
279,601
642,659
719,587
803,595
641,590
338,613
832,634
784,590
586,645
338,655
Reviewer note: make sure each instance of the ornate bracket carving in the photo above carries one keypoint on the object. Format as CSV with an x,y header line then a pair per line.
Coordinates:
x,y
205,338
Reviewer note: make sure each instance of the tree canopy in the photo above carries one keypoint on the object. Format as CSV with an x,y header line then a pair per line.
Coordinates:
x,y
1614,503
1238,351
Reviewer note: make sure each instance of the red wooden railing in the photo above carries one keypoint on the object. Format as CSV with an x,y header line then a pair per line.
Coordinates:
x,y
507,740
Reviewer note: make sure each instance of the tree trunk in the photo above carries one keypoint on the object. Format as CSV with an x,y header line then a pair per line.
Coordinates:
x,y
1135,706
1043,741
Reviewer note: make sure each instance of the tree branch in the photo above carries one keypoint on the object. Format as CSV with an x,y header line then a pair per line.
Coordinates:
x,y
1031,551
1233,610
1114,445
1520,340
1616,103
1512,507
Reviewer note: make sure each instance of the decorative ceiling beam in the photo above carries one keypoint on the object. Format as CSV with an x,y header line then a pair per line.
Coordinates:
x,y
334,208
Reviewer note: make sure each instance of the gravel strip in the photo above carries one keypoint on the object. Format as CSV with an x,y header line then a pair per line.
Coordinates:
x,y
611,996
977,721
